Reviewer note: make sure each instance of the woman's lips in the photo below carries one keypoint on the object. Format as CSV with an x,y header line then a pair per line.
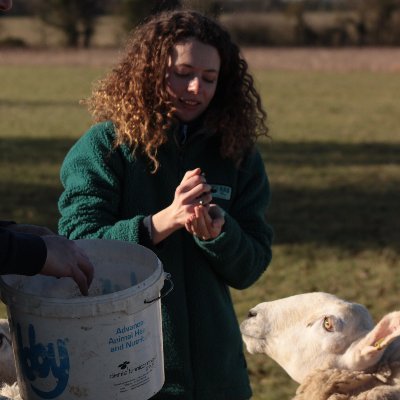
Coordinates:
x,y
189,103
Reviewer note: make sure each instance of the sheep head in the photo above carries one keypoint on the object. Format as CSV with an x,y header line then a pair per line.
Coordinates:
x,y
311,331
7,366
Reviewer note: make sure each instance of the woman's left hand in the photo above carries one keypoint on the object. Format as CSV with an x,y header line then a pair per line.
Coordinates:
x,y
207,221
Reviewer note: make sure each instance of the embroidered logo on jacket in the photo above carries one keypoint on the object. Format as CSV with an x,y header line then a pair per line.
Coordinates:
x,y
221,192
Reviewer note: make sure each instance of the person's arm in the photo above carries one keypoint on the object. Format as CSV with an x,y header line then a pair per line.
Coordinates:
x,y
21,253
31,249
242,251
92,176
4,224
37,230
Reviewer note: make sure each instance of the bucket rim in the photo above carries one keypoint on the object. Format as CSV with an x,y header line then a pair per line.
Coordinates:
x,y
132,297
103,298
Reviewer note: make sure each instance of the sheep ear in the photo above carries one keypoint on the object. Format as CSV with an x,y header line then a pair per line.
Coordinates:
x,y
369,350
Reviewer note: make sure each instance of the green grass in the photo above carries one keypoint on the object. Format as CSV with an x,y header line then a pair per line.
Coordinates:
x,y
40,118
333,163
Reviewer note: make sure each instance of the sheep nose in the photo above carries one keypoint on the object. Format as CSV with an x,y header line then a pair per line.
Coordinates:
x,y
252,314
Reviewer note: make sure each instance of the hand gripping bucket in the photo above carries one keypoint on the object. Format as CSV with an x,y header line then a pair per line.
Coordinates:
x,y
101,347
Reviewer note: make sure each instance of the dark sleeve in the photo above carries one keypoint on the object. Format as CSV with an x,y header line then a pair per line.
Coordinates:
x,y
3,224
21,253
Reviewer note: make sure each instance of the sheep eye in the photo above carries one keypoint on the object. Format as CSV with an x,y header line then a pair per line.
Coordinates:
x,y
328,324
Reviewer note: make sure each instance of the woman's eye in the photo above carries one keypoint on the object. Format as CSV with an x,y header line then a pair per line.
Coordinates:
x,y
209,80
328,324
181,74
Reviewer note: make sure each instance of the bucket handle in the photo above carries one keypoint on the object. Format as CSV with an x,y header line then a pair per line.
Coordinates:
x,y
167,278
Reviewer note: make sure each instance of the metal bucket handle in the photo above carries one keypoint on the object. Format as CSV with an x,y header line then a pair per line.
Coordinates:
x,y
162,295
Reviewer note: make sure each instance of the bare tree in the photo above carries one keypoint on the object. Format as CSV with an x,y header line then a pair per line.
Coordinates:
x,y
380,14
75,18
136,11
212,8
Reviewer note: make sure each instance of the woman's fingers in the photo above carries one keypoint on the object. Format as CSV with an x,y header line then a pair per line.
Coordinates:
x,y
191,173
193,189
204,199
202,223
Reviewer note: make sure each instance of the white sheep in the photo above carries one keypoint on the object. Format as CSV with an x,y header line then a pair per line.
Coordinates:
x,y
8,386
10,392
328,345
7,367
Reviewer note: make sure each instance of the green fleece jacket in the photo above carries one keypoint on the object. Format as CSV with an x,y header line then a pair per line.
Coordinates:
x,y
108,192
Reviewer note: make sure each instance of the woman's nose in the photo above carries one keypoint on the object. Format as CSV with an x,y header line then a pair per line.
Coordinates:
x,y
194,85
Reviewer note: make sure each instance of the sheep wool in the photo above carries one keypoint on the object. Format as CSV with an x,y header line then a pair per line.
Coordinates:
x,y
339,353
339,384
10,392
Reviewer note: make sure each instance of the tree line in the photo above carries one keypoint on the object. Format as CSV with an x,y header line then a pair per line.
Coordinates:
x,y
77,19
371,22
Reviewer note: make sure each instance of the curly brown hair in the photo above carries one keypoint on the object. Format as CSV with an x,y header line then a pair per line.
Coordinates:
x,y
134,96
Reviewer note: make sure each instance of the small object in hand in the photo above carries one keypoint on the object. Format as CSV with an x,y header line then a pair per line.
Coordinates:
x,y
378,344
201,202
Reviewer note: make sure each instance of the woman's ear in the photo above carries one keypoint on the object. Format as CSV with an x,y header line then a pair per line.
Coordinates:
x,y
369,350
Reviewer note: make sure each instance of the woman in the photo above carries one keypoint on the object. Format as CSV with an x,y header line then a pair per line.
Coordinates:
x,y
171,165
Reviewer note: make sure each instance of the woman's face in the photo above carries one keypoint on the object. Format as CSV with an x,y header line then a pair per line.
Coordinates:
x,y
192,77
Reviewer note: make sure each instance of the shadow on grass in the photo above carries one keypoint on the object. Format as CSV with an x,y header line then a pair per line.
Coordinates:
x,y
38,103
343,215
329,153
34,202
30,203
347,215
30,151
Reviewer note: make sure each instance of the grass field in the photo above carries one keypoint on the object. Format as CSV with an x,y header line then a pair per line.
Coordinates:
x,y
333,162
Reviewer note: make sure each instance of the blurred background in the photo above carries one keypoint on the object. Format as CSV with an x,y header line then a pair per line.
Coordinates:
x,y
329,76
89,23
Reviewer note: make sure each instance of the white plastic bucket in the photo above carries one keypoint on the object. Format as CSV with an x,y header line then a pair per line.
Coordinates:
x,y
101,347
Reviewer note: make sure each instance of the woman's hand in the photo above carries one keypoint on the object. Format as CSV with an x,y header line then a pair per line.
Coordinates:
x,y
206,222
192,191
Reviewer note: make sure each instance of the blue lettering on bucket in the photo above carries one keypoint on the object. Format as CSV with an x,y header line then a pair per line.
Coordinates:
x,y
37,361
127,336
128,328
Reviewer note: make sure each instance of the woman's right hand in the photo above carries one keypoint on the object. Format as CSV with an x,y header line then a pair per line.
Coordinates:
x,y
192,191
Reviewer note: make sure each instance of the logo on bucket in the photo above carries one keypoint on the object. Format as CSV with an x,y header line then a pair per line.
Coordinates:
x,y
40,361
128,378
